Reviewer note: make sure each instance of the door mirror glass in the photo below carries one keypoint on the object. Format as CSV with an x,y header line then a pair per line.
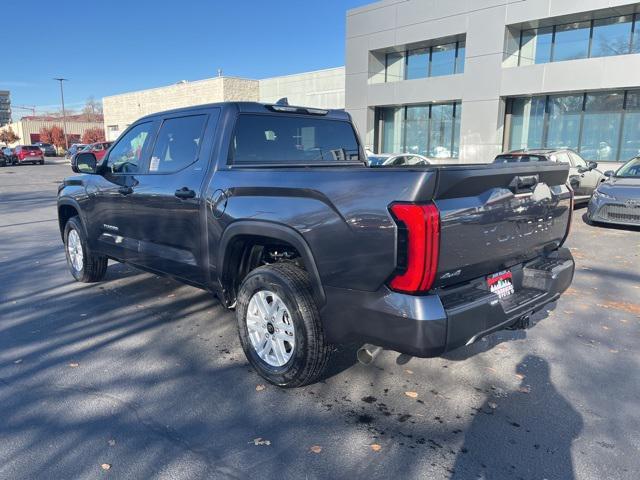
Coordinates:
x,y
609,173
593,165
84,162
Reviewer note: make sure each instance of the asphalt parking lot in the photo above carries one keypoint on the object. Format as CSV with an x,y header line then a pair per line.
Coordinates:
x,y
141,377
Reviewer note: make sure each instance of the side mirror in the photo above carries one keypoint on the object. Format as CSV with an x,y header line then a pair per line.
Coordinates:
x,y
593,165
84,162
609,173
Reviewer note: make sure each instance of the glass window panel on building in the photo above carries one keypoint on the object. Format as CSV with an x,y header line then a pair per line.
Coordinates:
x,y
535,46
460,57
393,126
441,131
443,60
635,43
417,63
601,126
564,121
416,129
611,36
395,67
527,122
455,153
571,41
630,146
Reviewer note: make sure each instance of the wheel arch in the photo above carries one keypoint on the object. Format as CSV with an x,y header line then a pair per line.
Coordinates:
x,y
244,230
68,208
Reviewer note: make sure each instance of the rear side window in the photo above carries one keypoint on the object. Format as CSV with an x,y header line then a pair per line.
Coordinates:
x,y
178,144
282,139
518,158
561,157
29,148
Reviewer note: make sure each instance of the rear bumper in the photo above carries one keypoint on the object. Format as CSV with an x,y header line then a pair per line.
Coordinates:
x,y
430,325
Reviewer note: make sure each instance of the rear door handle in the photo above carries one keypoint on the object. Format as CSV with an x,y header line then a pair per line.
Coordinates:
x,y
185,193
125,190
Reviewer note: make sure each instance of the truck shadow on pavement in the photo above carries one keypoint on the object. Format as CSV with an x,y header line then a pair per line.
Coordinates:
x,y
148,376
548,452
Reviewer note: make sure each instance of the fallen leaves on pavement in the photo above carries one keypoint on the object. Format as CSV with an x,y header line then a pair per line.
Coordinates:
x,y
260,441
74,365
105,466
260,387
375,447
411,394
316,449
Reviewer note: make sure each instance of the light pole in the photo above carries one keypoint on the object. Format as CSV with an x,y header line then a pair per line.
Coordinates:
x,y
64,114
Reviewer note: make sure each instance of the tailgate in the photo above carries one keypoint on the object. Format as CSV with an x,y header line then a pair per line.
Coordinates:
x,y
495,216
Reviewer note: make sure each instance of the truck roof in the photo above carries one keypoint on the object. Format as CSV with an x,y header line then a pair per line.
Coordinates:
x,y
257,107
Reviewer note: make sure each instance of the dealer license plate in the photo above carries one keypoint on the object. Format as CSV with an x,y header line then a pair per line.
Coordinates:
x,y
501,283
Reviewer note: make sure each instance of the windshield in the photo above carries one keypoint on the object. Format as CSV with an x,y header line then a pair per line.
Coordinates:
x,y
631,169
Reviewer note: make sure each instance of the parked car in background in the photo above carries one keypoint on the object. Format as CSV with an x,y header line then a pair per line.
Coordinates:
x,y
48,149
396,160
617,200
584,176
4,161
75,148
27,154
98,149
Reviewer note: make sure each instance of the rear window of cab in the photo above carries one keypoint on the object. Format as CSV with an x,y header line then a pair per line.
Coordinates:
x,y
292,139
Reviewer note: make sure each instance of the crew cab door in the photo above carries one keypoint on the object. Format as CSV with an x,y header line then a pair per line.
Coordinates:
x,y
111,212
168,226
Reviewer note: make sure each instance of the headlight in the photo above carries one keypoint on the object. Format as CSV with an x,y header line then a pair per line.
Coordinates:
x,y
600,194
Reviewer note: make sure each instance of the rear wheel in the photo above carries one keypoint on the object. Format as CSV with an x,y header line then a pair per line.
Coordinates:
x,y
41,162
84,266
279,326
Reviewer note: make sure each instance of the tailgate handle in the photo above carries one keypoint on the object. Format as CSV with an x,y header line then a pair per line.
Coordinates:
x,y
525,182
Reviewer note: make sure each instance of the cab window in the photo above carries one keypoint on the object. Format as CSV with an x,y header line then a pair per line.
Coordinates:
x,y
561,157
125,156
177,144
578,160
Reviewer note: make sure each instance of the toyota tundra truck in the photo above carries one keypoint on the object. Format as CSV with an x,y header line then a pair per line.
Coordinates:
x,y
273,209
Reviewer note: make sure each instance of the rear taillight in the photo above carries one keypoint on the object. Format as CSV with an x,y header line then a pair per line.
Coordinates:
x,y
418,246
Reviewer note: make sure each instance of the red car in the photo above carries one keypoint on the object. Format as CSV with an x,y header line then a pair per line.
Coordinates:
x,y
98,149
28,154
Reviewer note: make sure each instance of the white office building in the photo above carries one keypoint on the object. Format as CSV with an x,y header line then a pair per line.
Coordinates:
x,y
466,79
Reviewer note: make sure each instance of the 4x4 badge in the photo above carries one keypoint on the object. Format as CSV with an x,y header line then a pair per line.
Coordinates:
x,y
451,274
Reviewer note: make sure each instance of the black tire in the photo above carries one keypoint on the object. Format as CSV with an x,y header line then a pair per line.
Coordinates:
x,y
311,351
94,267
41,162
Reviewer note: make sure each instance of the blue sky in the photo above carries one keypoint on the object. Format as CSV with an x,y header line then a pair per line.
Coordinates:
x,y
109,47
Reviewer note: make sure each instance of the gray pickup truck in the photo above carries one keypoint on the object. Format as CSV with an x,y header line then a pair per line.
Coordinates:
x,y
273,209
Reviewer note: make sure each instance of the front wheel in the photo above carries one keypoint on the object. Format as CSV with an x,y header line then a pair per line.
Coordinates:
x,y
84,267
279,326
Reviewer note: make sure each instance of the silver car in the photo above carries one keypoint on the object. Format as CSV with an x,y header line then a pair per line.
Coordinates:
x,y
396,160
617,200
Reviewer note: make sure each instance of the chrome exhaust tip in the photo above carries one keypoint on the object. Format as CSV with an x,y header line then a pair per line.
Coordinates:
x,y
368,353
